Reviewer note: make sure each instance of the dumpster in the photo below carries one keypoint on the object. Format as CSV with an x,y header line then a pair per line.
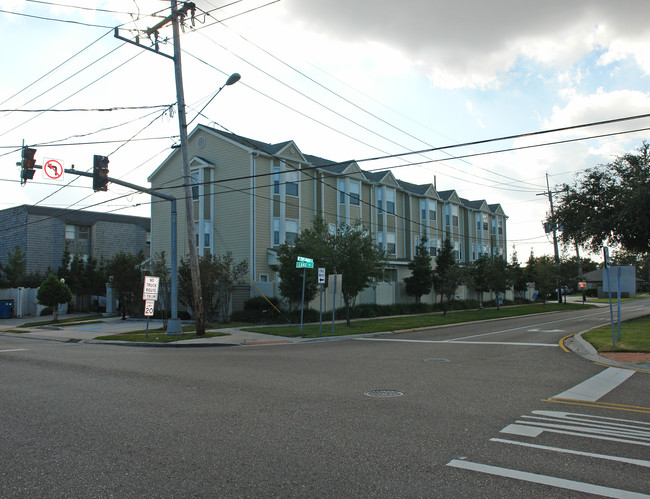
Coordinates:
x,y
6,309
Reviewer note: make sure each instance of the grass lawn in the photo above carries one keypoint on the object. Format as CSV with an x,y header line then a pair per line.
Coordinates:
x,y
635,336
397,323
158,335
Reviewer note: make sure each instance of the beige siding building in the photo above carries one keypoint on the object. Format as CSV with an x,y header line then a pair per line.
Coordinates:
x,y
250,197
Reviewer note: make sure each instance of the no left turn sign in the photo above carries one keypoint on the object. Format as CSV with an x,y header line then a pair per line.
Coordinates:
x,y
53,169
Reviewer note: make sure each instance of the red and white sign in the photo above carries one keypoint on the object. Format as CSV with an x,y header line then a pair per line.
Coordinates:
x,y
582,284
53,169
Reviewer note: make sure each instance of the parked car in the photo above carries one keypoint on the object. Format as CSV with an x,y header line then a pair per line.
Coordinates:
x,y
565,290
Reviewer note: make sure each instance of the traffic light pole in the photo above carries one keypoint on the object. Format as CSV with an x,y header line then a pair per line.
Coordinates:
x,y
174,323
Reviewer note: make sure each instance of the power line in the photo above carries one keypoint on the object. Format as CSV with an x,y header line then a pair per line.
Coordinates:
x,y
76,110
67,21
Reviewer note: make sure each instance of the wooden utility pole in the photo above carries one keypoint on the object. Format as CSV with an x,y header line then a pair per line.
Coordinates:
x,y
199,315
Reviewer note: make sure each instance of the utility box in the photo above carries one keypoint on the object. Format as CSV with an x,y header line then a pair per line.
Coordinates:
x,y
6,309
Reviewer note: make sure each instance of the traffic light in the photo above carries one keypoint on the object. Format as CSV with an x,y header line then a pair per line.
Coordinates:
x,y
27,164
100,173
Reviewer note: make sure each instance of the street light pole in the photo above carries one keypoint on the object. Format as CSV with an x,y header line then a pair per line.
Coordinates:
x,y
199,315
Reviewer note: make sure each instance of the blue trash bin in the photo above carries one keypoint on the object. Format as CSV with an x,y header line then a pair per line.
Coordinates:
x,y
6,309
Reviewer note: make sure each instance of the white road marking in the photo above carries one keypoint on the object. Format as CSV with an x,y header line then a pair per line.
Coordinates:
x,y
13,350
597,386
626,460
545,480
582,425
463,342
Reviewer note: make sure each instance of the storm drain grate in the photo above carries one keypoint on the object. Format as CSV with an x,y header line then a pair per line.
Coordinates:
x,y
383,393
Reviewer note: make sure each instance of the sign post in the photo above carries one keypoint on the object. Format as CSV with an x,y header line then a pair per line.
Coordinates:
x,y
149,295
321,281
303,263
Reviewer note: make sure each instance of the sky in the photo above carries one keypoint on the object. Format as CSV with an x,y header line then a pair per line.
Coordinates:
x,y
344,80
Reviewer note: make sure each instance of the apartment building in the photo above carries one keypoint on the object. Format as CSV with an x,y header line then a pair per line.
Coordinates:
x,y
43,233
249,197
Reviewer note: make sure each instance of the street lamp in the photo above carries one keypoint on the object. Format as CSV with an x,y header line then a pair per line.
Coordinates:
x,y
234,78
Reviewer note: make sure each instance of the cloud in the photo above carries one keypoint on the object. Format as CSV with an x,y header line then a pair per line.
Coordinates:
x,y
471,43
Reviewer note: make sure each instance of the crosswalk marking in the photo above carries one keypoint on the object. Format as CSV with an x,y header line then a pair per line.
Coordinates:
x,y
597,386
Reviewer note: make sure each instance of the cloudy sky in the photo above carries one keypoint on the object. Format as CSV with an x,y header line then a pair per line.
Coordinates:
x,y
343,79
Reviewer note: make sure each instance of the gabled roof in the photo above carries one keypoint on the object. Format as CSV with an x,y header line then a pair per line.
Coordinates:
x,y
478,205
449,196
497,209
425,190
383,177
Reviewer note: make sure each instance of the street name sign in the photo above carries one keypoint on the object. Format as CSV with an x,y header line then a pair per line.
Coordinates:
x,y
304,263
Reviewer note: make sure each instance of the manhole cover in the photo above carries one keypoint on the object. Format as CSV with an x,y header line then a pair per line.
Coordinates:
x,y
436,360
383,393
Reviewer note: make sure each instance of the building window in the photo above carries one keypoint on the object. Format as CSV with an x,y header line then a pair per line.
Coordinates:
x,y
433,247
291,187
447,216
432,211
276,180
454,216
70,232
485,223
207,229
332,229
84,231
264,278
390,243
291,231
380,206
500,224
195,185
390,201
355,193
423,209
341,189
380,240
276,231
478,222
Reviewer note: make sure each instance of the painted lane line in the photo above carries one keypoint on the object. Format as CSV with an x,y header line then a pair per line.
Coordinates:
x,y
617,432
447,342
637,427
13,350
597,386
585,417
626,460
534,431
545,480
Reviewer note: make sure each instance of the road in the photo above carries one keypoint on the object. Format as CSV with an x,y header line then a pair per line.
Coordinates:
x,y
488,409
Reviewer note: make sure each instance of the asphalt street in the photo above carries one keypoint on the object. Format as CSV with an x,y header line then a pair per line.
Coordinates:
x,y
487,409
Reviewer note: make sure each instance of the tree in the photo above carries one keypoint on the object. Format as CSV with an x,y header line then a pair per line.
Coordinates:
x,y
499,277
420,281
358,259
228,273
517,276
447,276
543,272
14,270
219,274
52,293
316,243
609,203
126,277
479,274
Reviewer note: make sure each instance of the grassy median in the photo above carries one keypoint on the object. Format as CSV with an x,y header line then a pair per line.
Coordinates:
x,y
635,336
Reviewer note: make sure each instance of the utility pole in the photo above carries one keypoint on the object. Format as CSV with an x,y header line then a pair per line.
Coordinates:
x,y
199,315
555,247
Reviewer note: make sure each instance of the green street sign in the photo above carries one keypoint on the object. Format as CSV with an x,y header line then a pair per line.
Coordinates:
x,y
305,265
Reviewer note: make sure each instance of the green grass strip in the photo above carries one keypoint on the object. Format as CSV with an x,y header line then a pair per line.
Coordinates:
x,y
635,336
397,323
